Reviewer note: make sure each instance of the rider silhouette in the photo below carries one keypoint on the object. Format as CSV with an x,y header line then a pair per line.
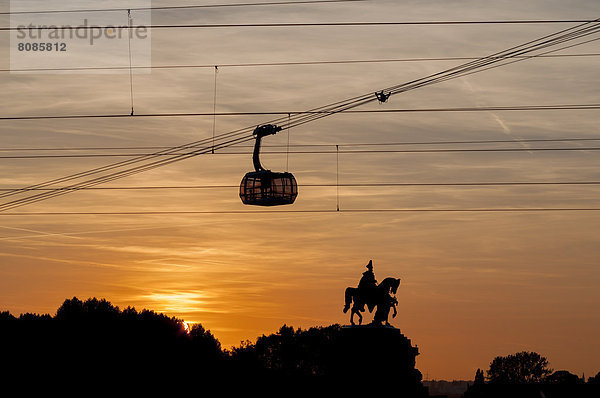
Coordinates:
x,y
366,285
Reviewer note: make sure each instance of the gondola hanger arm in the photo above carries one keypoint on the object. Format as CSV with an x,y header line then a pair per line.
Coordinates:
x,y
259,132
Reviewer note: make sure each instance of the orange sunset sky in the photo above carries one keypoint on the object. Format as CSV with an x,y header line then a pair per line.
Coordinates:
x,y
474,284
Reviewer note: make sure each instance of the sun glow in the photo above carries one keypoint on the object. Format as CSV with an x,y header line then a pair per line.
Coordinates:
x,y
186,327
177,302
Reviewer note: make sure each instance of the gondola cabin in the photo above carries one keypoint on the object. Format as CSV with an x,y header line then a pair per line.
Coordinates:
x,y
265,187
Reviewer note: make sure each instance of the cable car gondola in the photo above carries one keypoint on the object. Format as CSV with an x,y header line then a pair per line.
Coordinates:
x,y
265,187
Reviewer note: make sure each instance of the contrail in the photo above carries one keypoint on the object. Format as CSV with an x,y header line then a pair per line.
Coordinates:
x,y
42,234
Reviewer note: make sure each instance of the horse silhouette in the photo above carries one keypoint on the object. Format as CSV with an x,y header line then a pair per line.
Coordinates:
x,y
375,297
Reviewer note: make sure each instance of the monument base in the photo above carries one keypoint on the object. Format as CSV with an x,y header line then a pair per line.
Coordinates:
x,y
382,357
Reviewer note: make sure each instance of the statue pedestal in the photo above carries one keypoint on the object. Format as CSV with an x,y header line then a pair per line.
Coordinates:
x,y
380,357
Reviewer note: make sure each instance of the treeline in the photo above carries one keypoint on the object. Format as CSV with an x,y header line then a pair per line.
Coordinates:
x,y
94,341
527,374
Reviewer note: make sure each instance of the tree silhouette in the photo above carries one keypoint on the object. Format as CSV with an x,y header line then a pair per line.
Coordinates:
x,y
479,379
519,368
595,379
204,344
290,352
91,309
92,342
563,377
6,316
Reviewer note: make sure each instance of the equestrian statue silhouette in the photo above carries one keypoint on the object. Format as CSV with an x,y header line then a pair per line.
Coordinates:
x,y
372,295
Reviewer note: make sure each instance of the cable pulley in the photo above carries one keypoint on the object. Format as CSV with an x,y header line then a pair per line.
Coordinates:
x,y
382,97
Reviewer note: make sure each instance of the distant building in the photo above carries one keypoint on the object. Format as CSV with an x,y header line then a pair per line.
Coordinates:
x,y
545,390
448,389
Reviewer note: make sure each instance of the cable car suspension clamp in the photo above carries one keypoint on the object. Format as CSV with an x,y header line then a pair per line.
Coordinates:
x,y
266,129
